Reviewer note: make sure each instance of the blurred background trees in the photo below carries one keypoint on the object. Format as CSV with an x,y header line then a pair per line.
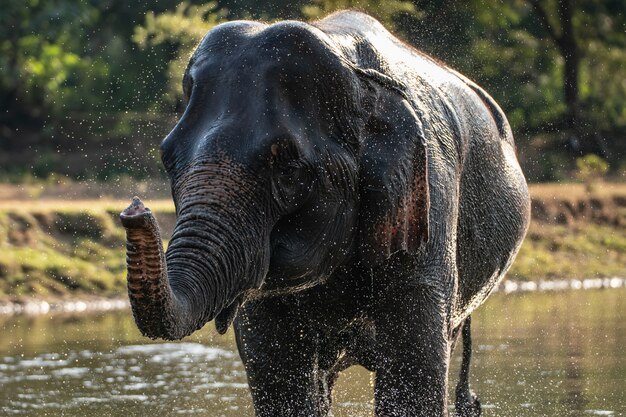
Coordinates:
x,y
64,55
557,67
182,29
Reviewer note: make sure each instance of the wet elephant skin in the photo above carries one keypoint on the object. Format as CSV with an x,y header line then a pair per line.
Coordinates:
x,y
345,199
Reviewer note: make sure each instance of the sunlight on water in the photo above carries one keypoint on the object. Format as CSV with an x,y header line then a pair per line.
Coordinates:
x,y
127,377
540,354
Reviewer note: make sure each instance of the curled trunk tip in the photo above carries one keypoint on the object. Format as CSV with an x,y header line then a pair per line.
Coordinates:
x,y
157,311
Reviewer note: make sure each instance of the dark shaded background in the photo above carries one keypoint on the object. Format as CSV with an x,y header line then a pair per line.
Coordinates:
x,y
88,88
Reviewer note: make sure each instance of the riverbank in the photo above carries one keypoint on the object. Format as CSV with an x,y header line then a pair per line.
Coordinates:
x,y
73,249
35,306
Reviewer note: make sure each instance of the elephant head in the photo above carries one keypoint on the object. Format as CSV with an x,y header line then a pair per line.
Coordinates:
x,y
288,162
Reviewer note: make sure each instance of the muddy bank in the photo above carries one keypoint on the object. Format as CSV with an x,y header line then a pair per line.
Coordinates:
x,y
54,248
569,204
52,252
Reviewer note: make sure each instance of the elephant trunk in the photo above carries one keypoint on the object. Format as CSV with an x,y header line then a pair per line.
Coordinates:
x,y
218,251
157,310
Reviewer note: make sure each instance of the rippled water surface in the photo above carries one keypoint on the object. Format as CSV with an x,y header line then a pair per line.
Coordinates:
x,y
536,354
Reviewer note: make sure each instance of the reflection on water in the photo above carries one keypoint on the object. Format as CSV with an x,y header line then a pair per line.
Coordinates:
x,y
99,365
552,354
540,354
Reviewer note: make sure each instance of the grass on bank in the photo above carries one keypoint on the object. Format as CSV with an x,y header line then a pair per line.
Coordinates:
x,y
57,248
586,250
52,251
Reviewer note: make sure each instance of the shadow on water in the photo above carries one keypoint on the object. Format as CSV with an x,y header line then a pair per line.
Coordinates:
x,y
536,354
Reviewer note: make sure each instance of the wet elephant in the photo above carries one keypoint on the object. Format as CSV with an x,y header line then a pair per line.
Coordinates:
x,y
346,199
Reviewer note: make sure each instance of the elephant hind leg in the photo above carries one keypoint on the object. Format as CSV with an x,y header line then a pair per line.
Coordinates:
x,y
466,404
326,382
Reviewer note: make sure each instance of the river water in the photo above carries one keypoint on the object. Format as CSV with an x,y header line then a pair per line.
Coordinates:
x,y
536,354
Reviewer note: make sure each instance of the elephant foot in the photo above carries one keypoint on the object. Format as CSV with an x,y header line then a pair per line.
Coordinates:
x,y
467,405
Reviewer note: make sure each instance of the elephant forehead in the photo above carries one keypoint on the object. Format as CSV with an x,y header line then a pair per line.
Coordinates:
x,y
227,38
264,98
282,81
294,37
290,48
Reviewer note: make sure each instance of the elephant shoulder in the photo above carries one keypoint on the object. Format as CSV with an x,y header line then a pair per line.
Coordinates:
x,y
370,46
501,122
354,27
350,20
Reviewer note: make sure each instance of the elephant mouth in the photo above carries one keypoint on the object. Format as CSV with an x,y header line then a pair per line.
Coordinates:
x,y
288,271
292,268
274,286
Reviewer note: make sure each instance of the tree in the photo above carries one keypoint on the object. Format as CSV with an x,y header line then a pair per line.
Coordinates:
x,y
553,64
183,28
582,33
59,56
39,59
560,29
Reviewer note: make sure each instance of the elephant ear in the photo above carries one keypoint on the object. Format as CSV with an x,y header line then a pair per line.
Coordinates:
x,y
393,180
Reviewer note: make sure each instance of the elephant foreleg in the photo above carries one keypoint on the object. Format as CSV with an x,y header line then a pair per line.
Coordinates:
x,y
280,359
411,375
466,403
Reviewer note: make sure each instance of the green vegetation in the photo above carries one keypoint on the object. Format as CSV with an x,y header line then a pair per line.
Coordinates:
x,y
52,251
184,27
79,74
63,55
56,248
591,169
585,250
50,254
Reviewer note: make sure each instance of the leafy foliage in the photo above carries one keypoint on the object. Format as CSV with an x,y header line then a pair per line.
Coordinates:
x,y
591,168
62,55
182,28
537,33
557,67
39,54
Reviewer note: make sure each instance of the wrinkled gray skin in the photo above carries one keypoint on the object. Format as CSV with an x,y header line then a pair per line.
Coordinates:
x,y
349,199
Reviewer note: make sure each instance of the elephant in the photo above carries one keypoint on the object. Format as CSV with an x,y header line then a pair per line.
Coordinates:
x,y
342,198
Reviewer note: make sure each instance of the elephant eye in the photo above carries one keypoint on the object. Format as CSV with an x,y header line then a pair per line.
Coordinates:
x,y
292,183
293,176
187,87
